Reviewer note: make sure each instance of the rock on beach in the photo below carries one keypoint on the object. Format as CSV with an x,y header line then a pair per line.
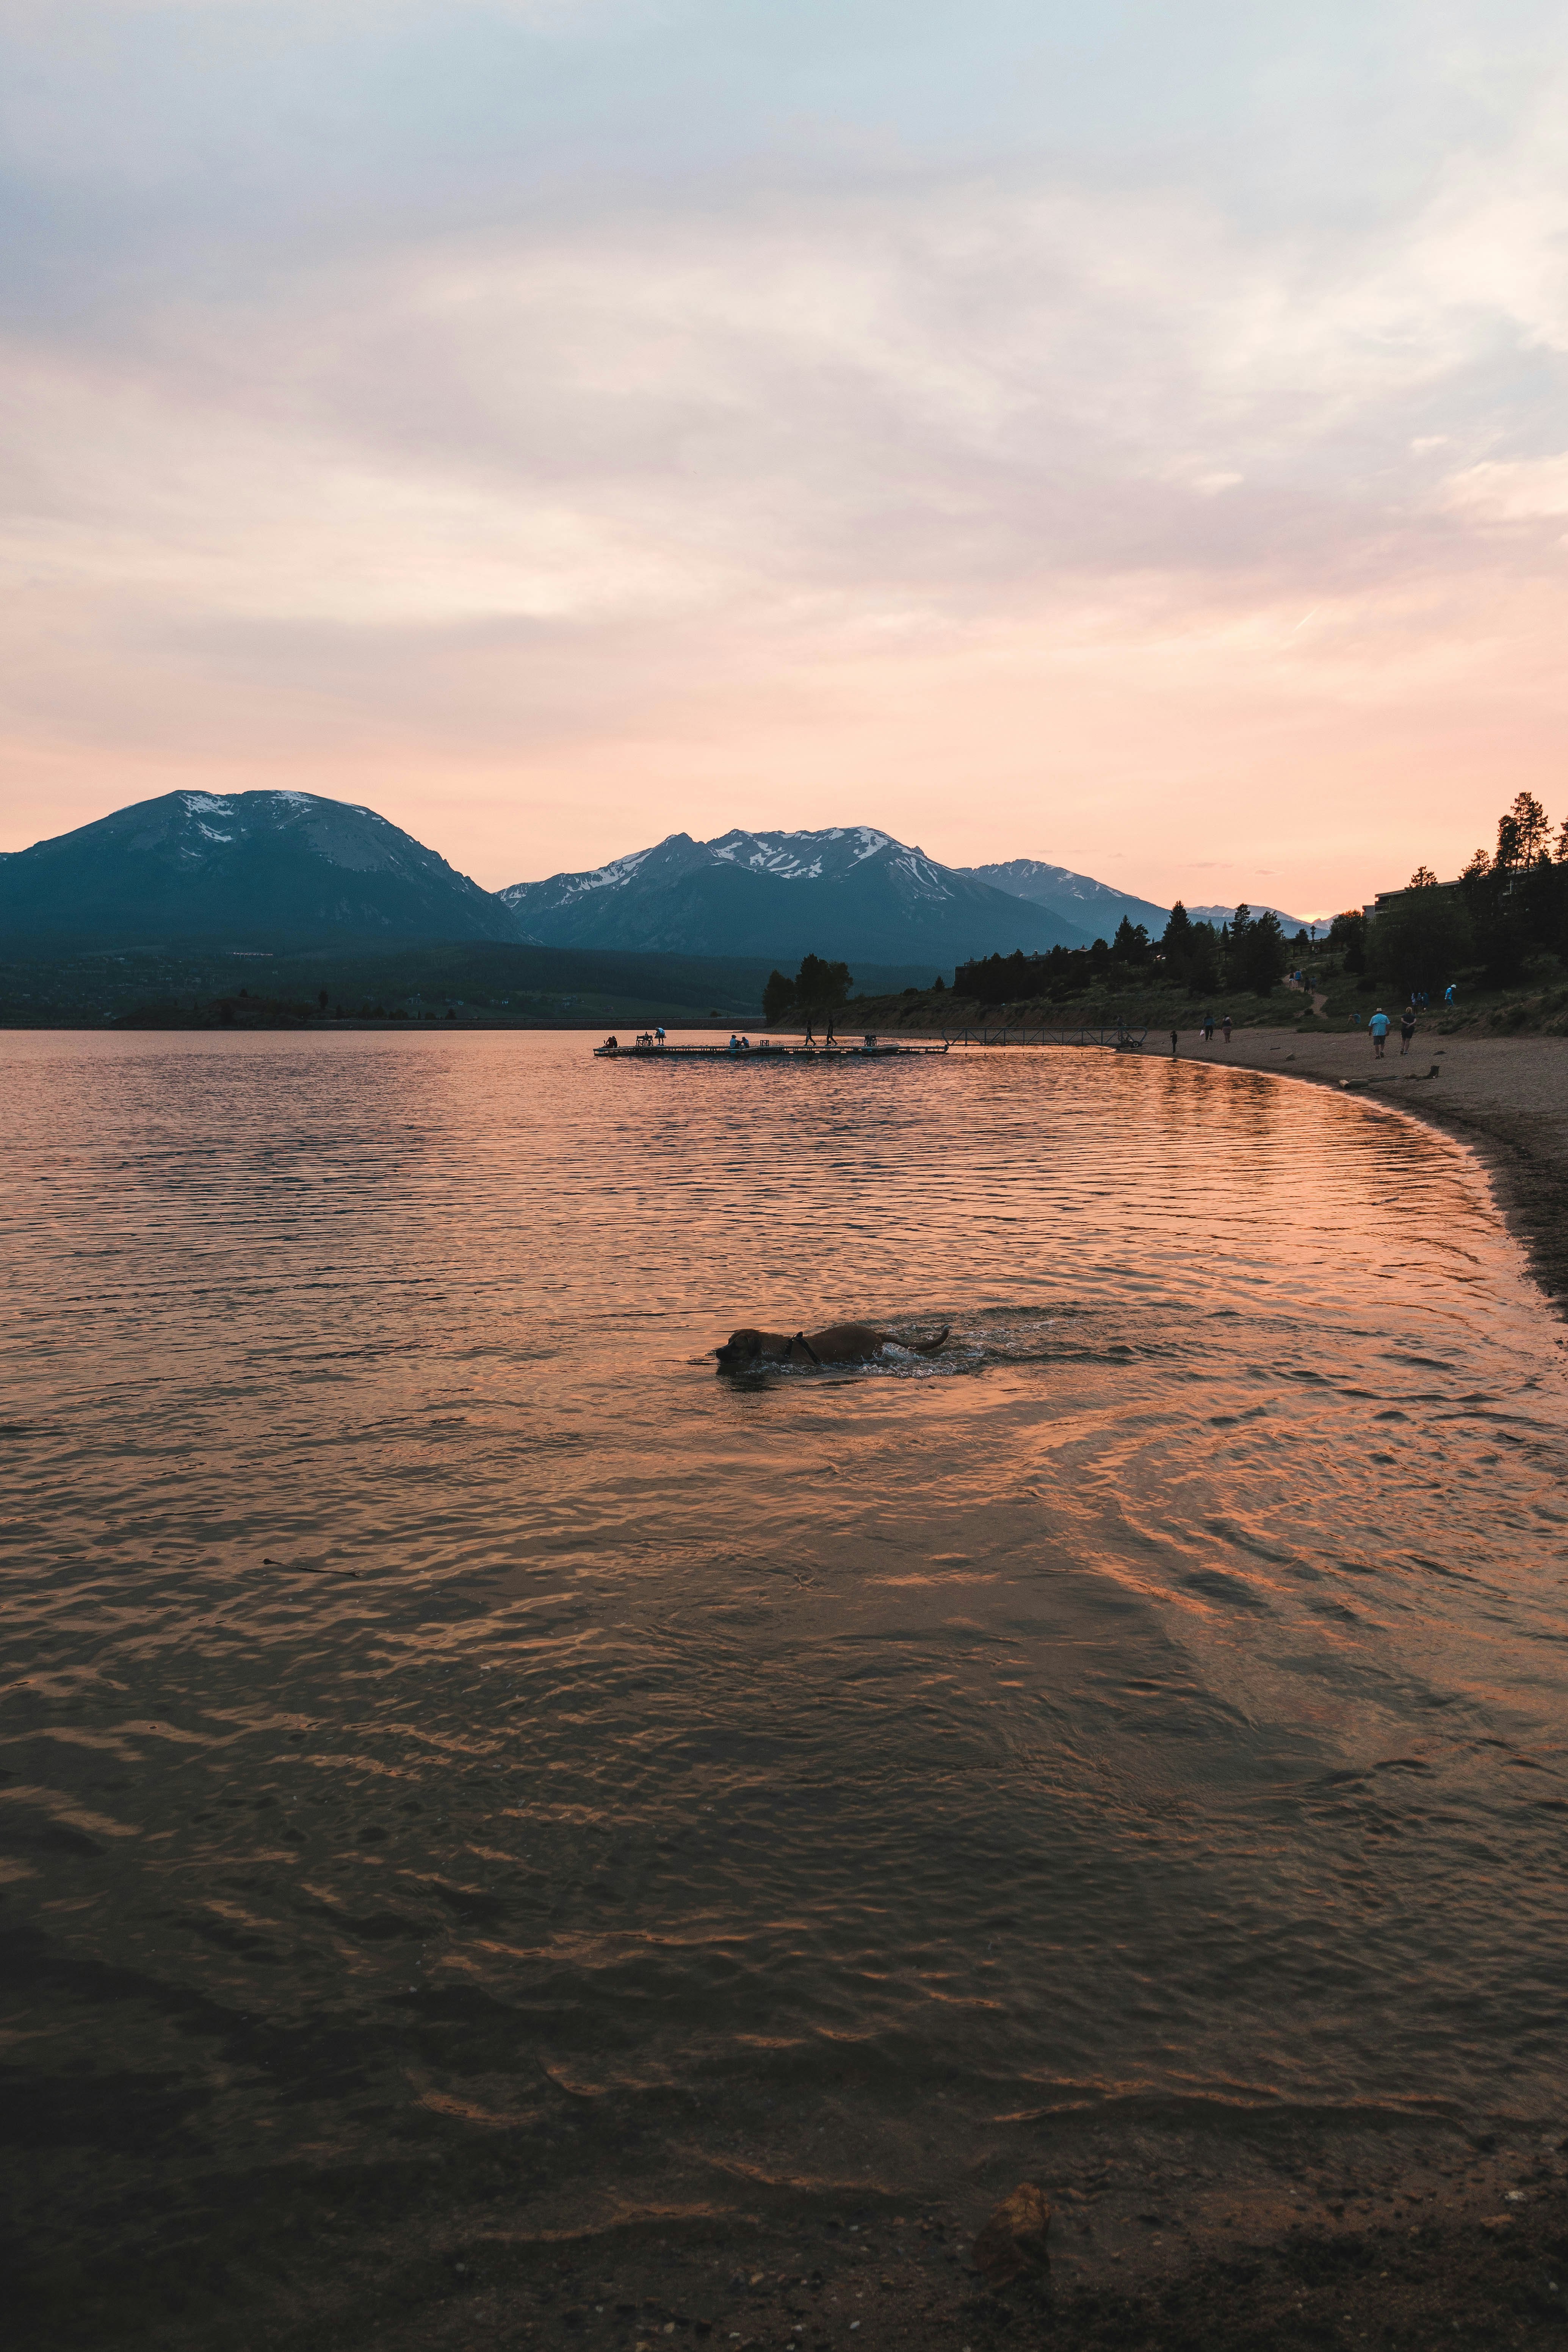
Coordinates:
x,y
1014,2239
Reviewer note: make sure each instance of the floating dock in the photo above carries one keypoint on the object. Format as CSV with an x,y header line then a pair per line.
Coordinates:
x,y
647,1049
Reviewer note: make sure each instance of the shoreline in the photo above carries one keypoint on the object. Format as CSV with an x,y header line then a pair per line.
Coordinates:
x,y
1507,1098
1211,2237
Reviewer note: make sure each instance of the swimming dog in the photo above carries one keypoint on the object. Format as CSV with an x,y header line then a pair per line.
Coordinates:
x,y
841,1343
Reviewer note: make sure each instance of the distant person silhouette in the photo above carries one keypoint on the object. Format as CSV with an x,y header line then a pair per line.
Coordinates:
x,y
1406,1028
1228,1028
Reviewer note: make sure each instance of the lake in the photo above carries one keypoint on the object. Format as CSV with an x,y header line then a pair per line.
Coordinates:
x,y
449,1726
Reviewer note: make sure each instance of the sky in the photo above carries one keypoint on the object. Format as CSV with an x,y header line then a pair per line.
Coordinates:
x,y
1132,436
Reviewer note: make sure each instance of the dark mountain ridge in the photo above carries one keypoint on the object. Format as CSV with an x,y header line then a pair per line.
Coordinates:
x,y
1094,907
284,870
1318,929
267,866
848,891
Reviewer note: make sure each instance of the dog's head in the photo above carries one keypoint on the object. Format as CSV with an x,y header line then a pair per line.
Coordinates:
x,y
742,1347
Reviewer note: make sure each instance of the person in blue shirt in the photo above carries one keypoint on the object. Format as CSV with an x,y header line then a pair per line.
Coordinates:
x,y
1378,1024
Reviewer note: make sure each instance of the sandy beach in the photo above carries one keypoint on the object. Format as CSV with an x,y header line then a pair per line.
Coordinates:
x,y
1507,1097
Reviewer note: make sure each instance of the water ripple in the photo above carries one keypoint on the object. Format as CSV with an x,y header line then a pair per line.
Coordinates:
x,y
436,1703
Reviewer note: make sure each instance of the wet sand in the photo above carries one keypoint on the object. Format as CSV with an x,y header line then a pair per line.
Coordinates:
x,y
1402,2236
1507,1096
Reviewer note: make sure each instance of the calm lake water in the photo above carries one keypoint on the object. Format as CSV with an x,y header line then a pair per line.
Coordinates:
x,y
445,1721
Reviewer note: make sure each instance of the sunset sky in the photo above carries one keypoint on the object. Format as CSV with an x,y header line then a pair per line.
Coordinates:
x,y
1131,435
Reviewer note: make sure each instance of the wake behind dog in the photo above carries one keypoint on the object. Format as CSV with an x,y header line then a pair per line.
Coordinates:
x,y
840,1343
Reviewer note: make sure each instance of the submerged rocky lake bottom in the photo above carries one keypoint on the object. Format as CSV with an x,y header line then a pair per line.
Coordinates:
x,y
464,1754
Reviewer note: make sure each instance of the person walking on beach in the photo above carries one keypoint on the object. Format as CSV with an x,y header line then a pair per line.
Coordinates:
x,y
1208,1028
1228,1028
1378,1024
1406,1028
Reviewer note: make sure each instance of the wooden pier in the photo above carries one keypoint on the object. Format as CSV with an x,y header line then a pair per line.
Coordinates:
x,y
649,1049
916,1045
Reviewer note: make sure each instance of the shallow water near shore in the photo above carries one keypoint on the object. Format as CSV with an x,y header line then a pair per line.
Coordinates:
x,y
445,1721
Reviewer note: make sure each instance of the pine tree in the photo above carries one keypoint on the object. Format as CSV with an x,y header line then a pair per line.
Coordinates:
x,y
820,988
1532,829
1178,930
778,995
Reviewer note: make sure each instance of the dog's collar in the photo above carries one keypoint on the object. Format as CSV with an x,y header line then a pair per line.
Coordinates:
x,y
805,1343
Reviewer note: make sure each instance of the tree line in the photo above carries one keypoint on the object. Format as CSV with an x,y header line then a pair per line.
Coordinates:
x,y
1510,904
1250,953
816,991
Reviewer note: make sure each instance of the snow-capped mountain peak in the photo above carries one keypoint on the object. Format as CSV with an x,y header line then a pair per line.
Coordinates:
x,y
218,864
802,857
850,890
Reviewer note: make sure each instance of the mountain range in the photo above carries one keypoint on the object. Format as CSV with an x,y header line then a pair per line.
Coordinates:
x,y
1093,908
1316,927
282,869
1096,906
847,891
